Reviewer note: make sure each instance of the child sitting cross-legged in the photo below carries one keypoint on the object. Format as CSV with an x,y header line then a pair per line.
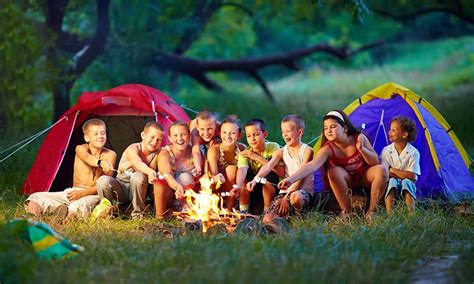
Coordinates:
x,y
294,154
403,162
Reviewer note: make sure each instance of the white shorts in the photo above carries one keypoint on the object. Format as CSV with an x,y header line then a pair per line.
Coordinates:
x,y
55,202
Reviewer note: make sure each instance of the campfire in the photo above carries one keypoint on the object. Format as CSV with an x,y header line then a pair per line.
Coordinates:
x,y
207,206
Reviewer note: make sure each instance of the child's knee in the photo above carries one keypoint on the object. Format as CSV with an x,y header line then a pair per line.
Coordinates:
x,y
103,184
336,173
138,178
381,171
231,172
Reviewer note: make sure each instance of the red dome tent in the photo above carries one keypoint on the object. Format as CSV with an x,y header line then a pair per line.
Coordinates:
x,y
125,109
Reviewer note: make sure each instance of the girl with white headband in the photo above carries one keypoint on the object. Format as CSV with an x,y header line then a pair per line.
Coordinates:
x,y
350,160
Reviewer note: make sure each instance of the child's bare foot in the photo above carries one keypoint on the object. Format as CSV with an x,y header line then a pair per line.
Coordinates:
x,y
370,216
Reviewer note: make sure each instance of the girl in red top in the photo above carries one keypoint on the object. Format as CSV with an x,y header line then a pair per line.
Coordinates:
x,y
353,163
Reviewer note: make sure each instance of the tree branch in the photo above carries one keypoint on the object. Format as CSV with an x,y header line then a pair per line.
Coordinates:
x,y
201,15
197,68
264,86
456,11
55,14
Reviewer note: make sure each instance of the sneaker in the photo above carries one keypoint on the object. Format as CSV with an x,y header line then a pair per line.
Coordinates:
x,y
102,210
138,216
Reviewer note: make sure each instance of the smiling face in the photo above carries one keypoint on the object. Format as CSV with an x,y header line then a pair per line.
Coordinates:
x,y
333,131
396,133
230,134
96,136
255,136
206,128
179,136
152,138
290,133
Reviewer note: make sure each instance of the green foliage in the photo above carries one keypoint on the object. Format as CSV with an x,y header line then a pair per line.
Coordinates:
x,y
17,258
20,65
229,35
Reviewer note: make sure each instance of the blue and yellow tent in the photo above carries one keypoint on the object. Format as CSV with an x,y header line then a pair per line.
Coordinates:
x,y
443,160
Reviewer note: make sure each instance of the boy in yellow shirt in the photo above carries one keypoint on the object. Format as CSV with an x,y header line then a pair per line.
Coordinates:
x,y
257,154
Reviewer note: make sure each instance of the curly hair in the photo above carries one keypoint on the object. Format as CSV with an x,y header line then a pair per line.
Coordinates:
x,y
408,125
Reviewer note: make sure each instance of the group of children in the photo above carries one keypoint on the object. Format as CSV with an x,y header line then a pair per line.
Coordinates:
x,y
260,178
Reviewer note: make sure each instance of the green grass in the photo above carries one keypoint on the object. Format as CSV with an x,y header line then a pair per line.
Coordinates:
x,y
318,248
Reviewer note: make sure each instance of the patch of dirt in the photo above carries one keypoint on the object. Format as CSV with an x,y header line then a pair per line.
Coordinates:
x,y
435,270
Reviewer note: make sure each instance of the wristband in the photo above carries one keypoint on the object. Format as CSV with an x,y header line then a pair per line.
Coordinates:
x,y
261,180
162,176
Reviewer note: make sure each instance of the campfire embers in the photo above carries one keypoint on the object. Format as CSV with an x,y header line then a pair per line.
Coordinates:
x,y
206,208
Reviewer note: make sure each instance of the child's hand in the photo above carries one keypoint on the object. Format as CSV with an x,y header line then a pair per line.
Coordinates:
x,y
284,205
235,191
179,193
74,195
106,166
246,154
197,171
152,177
360,142
219,178
251,185
284,183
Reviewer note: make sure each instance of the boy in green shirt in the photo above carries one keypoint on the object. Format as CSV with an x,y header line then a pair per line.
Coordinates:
x,y
257,154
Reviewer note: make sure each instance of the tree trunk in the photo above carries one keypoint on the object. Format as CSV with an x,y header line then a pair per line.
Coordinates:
x,y
3,122
61,100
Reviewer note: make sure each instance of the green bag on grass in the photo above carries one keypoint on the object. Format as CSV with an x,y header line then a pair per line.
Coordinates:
x,y
46,243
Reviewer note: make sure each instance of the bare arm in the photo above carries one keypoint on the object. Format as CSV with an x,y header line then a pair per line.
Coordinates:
x,y
320,158
279,170
366,150
402,174
196,141
269,165
266,168
133,156
213,159
108,160
164,165
83,153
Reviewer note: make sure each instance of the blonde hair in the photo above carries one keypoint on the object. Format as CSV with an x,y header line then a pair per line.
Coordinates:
x,y
296,119
178,123
92,122
205,115
153,124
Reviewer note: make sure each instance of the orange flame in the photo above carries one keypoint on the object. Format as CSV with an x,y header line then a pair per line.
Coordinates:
x,y
207,206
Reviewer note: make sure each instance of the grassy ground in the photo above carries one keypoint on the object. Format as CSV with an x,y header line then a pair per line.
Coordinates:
x,y
318,248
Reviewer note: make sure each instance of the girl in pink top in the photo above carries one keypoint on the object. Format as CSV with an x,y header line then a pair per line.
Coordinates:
x,y
352,161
